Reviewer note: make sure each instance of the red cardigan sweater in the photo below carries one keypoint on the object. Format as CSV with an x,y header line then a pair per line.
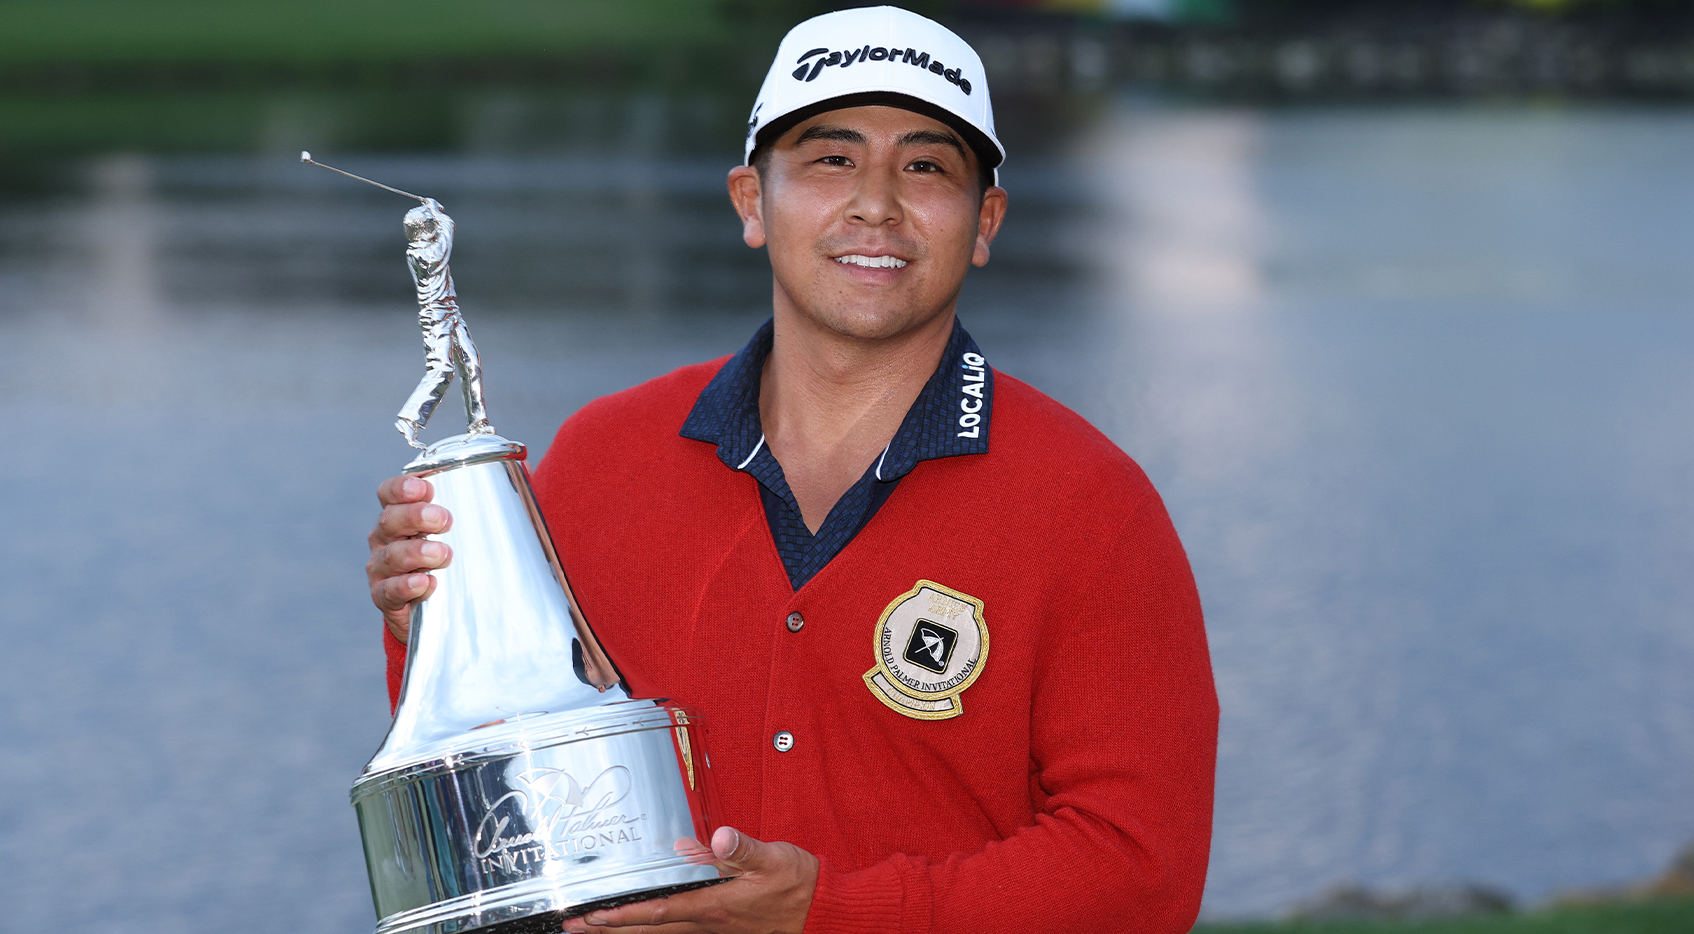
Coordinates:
x,y
1073,790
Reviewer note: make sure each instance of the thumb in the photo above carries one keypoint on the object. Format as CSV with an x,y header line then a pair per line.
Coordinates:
x,y
736,851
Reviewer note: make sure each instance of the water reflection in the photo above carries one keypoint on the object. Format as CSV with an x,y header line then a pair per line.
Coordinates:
x,y
1185,229
122,236
1414,386
1394,458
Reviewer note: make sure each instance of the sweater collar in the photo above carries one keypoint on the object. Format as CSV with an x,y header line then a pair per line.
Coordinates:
x,y
950,416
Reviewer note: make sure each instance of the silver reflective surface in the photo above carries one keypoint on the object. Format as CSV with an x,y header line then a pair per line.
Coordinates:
x,y
498,638
550,812
518,778
448,348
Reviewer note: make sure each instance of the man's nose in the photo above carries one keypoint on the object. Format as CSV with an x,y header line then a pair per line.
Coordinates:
x,y
876,198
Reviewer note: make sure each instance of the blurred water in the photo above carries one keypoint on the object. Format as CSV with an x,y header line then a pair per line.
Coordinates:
x,y
1413,383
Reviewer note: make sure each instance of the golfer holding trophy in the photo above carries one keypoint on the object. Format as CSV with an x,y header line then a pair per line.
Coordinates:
x,y
935,631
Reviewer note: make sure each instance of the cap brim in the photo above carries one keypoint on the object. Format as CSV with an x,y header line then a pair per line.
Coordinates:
x,y
986,151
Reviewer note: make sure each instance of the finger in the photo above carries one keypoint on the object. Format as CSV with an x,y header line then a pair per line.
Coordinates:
x,y
397,490
406,556
735,850
400,625
409,520
726,841
579,926
685,911
395,595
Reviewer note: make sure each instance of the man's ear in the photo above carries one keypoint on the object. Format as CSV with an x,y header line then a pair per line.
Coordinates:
x,y
746,192
992,212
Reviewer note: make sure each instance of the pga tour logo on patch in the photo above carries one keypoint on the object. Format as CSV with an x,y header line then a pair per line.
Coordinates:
x,y
815,61
931,644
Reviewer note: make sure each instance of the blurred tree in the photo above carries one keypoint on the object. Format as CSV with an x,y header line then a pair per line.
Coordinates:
x,y
788,12
1246,12
178,32
1557,6
1295,12
1202,11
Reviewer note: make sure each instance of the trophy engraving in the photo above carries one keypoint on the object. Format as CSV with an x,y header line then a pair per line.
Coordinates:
x,y
519,782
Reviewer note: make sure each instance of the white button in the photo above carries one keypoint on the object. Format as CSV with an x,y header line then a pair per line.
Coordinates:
x,y
795,621
783,741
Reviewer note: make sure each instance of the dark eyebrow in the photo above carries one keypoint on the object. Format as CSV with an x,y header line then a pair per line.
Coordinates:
x,y
932,138
839,134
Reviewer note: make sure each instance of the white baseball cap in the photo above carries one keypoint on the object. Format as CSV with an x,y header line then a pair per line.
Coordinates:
x,y
876,55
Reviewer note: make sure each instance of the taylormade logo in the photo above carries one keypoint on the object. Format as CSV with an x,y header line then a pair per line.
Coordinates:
x,y
814,62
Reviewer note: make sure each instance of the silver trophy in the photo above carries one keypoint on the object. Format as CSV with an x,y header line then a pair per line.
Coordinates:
x,y
519,782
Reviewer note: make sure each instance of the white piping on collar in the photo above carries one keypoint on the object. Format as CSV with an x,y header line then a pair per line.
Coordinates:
x,y
879,460
756,447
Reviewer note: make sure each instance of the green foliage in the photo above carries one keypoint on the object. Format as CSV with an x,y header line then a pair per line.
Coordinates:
x,y
222,120
786,13
1560,6
304,33
1649,7
169,32
1662,916
1286,11
95,32
1204,11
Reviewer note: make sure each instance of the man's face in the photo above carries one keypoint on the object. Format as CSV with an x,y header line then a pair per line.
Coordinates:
x,y
871,218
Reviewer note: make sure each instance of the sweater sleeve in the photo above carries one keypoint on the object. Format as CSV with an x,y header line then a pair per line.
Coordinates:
x,y
395,651
1123,750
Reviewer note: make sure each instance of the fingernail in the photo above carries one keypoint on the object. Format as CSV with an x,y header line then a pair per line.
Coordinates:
x,y
412,487
434,515
417,581
434,550
595,918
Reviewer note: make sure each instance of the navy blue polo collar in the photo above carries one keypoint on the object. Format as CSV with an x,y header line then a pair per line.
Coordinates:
x,y
950,417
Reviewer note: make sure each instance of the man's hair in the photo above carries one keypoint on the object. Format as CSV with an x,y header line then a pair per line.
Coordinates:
x,y
761,160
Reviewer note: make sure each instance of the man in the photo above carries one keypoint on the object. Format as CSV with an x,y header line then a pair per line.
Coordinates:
x,y
943,637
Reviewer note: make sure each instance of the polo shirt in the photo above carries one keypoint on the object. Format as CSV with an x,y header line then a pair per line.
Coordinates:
x,y
950,417
991,709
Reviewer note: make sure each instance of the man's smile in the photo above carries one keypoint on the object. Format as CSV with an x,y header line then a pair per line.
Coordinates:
x,y
871,262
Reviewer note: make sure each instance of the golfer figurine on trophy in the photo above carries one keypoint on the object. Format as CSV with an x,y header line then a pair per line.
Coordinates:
x,y
519,782
447,342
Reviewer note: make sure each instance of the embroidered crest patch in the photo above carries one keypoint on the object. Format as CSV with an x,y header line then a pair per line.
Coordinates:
x,y
930,644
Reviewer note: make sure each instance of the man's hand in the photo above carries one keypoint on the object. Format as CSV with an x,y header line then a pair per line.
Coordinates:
x,y
770,894
400,557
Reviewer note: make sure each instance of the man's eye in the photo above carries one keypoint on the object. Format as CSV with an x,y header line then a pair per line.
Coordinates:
x,y
924,165
836,160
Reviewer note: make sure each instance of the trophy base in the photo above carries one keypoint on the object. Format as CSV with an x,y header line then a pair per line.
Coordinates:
x,y
531,908
553,922
540,817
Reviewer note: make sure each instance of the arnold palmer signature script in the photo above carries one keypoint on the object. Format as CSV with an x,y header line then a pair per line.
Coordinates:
x,y
554,813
